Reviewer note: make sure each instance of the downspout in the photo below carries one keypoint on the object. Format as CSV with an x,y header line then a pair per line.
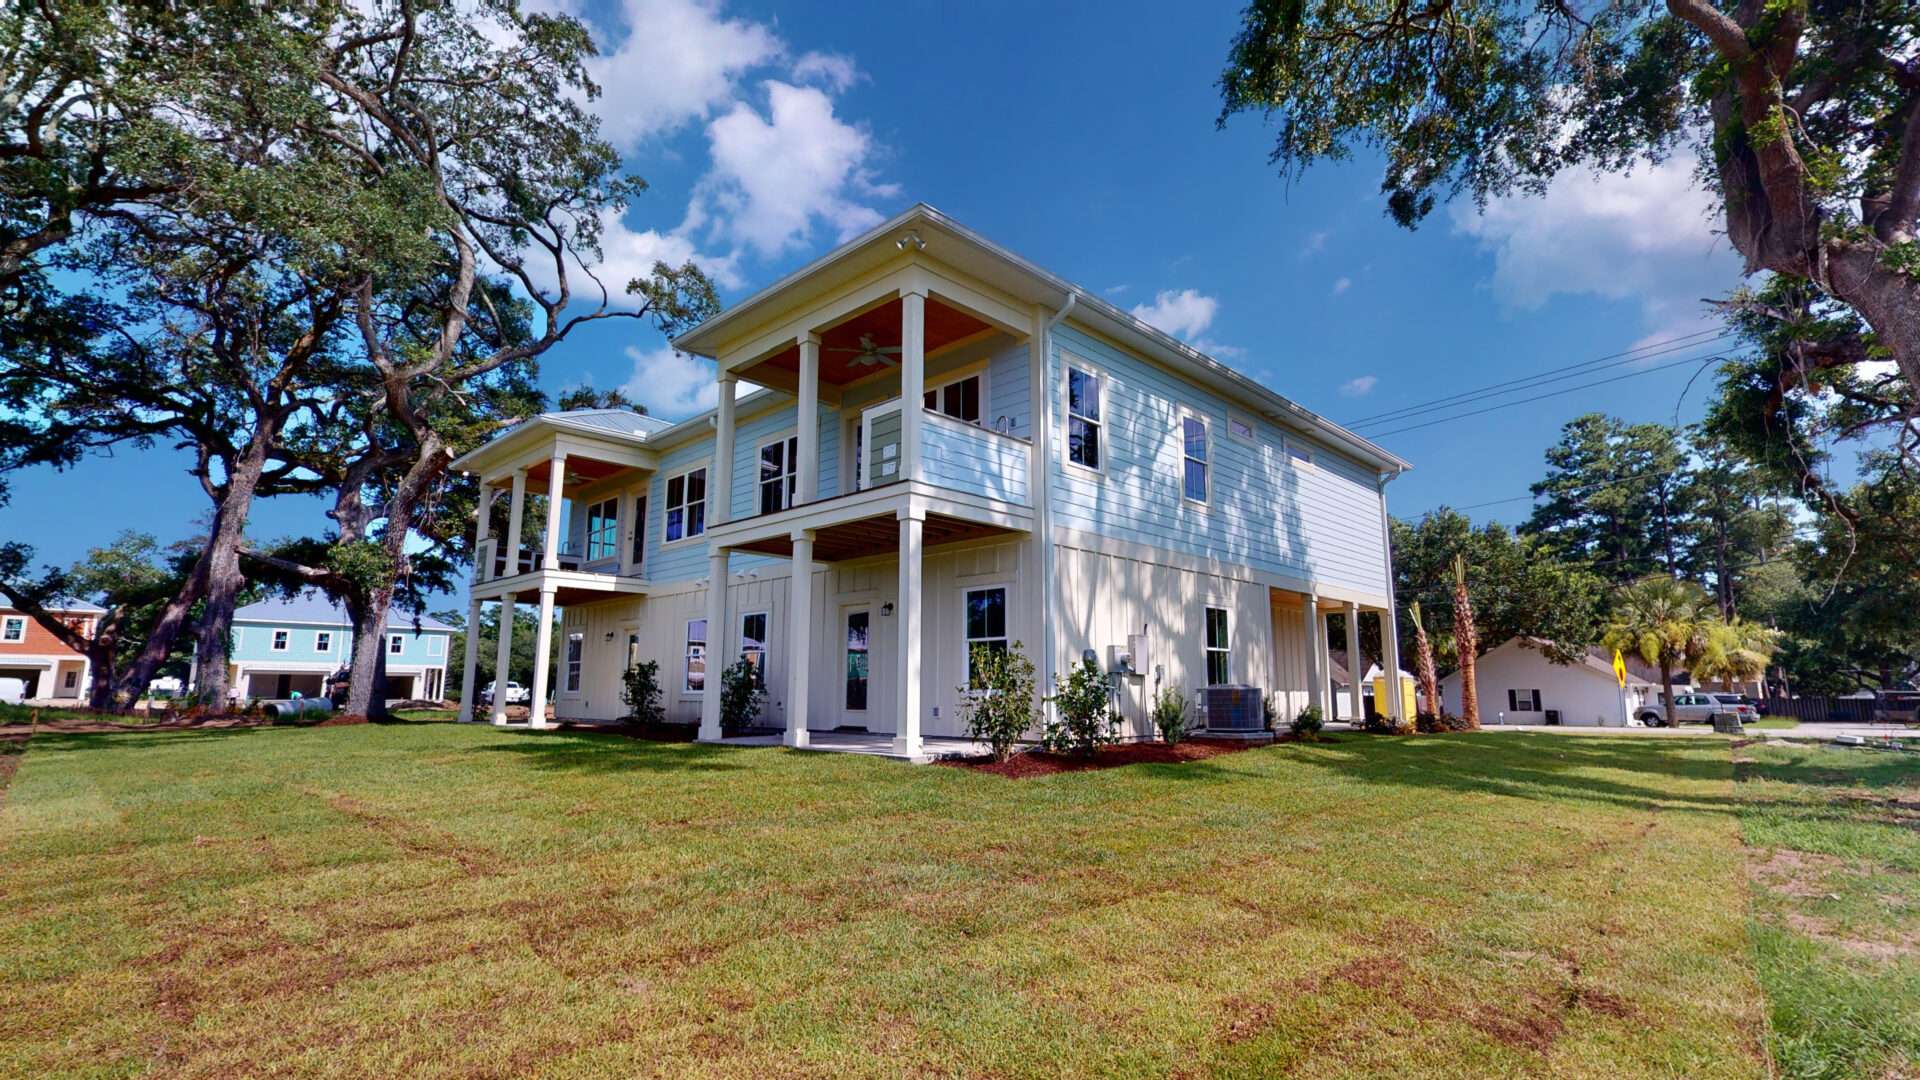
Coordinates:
x,y
1043,503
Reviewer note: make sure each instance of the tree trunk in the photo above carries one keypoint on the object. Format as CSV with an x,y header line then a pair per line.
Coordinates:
x,y
366,694
1666,684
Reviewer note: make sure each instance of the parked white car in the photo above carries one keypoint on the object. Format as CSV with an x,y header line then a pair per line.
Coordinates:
x,y
516,694
1700,708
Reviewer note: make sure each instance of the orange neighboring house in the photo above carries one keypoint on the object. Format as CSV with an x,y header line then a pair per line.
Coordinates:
x,y
27,651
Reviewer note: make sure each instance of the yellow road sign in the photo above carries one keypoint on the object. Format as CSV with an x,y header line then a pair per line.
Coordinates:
x,y
1620,668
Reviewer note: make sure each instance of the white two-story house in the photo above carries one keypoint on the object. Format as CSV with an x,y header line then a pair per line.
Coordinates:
x,y
949,447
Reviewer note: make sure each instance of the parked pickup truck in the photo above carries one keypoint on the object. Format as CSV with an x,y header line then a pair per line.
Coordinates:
x,y
516,694
1699,708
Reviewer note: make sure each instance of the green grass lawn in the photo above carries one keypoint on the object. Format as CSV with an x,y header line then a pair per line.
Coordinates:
x,y
444,899
1774,723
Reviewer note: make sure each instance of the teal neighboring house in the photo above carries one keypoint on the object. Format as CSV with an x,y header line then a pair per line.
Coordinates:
x,y
283,647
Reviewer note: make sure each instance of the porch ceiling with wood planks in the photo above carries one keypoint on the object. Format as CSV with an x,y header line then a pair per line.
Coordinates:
x,y
878,535
840,344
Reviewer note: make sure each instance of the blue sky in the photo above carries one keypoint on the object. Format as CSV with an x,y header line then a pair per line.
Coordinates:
x,y
1086,143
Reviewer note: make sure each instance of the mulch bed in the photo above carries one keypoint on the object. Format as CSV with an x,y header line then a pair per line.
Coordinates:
x,y
50,721
1045,763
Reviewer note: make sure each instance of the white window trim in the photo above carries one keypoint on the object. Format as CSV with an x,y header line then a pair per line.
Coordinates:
x,y
706,501
573,670
1069,363
1181,416
280,641
960,374
766,644
1287,446
436,645
966,643
1206,650
1252,436
792,474
320,648
586,530
7,629
396,639
686,658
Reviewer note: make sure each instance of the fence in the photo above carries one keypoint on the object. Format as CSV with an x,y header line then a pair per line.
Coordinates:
x,y
1821,708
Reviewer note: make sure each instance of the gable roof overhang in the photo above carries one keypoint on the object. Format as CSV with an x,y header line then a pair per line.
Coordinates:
x,y
946,243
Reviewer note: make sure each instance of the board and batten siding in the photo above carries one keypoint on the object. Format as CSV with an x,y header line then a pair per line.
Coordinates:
x,y
1320,522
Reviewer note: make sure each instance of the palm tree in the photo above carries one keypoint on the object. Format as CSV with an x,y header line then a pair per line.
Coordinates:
x,y
1737,651
1665,620
1423,662
1466,643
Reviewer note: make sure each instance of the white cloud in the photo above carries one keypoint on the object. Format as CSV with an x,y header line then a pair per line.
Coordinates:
x,y
1360,386
1315,243
837,73
1185,313
1645,235
1341,285
1218,350
674,385
678,61
775,175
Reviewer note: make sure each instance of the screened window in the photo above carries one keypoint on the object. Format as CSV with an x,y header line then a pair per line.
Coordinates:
x,y
575,645
696,655
323,641
1219,651
778,478
279,641
1083,418
396,644
986,628
1193,438
603,530
753,643
686,505
959,399
857,656
1523,701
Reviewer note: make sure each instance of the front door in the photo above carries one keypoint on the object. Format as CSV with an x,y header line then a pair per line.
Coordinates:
x,y
860,693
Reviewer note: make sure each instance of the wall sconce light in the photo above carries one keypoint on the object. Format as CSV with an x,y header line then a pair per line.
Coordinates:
x,y
609,635
886,611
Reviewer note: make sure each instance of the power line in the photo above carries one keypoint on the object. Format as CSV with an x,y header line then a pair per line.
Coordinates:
x,y
1702,361
1531,382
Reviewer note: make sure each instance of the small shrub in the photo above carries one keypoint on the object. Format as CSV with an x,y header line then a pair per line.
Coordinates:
x,y
1083,710
741,694
1307,725
1432,724
1270,706
1170,714
640,689
1376,724
999,712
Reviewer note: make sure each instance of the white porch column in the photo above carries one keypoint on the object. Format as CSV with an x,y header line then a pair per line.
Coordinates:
x,y
516,522
799,637
470,662
906,646
1390,662
503,656
1355,669
913,380
716,638
556,491
720,476
1316,674
808,437
542,659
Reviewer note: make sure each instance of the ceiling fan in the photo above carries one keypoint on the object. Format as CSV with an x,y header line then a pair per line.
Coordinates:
x,y
869,354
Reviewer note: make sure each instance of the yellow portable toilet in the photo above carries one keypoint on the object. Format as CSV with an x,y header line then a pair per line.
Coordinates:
x,y
1408,709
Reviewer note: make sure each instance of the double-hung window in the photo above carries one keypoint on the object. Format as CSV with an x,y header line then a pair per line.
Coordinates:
x,y
959,399
1083,417
686,505
575,645
280,640
779,478
396,644
1219,651
323,641
696,656
753,644
1523,701
603,530
14,629
986,628
1193,440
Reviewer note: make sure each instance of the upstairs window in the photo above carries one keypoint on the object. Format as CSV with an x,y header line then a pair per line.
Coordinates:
x,y
323,641
959,399
396,644
603,530
1083,418
280,641
779,477
686,505
1219,651
1299,454
1193,437
1239,427
14,629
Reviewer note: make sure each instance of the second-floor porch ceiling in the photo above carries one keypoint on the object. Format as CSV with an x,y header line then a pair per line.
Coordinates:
x,y
866,346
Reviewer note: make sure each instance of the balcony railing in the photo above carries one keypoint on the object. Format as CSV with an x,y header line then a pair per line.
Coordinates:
x,y
954,454
491,561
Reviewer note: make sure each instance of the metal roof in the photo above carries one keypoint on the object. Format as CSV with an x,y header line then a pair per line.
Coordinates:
x,y
314,609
